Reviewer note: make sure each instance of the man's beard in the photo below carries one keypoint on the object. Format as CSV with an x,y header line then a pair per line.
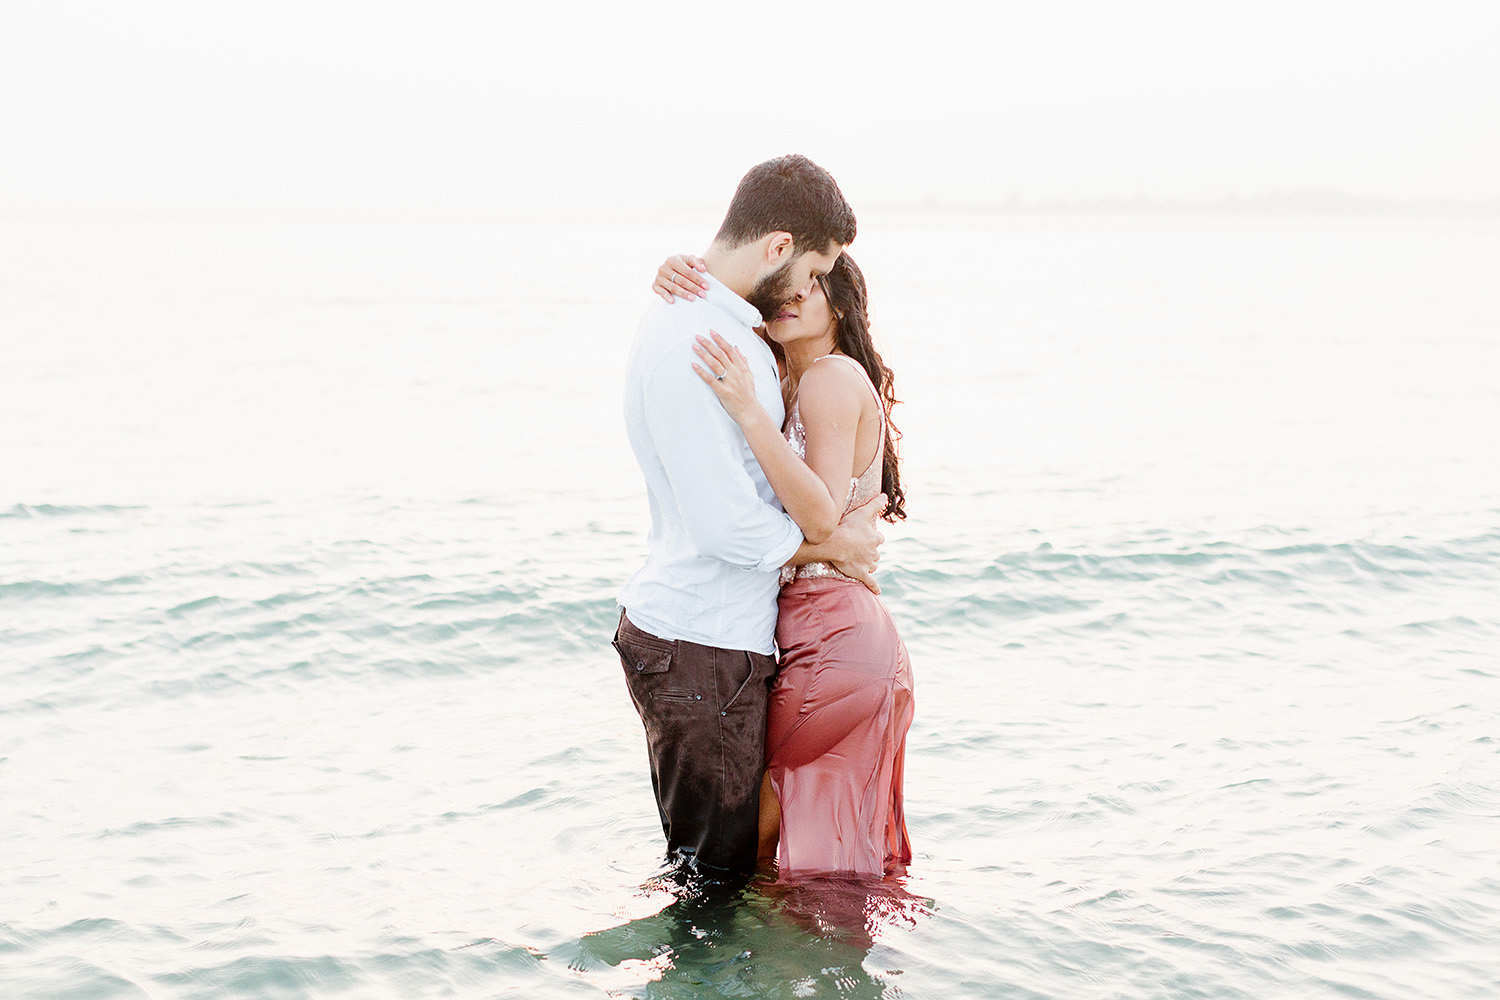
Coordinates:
x,y
772,292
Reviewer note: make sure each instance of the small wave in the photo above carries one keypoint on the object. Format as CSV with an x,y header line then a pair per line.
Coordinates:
x,y
24,510
146,827
25,590
1146,584
1455,623
416,971
227,635
270,975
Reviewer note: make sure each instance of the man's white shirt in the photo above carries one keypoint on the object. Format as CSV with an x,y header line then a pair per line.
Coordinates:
x,y
718,535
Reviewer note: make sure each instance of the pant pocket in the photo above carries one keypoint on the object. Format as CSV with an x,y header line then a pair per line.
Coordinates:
x,y
758,669
749,676
671,694
640,652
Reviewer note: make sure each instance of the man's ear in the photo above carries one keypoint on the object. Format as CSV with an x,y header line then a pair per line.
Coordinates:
x,y
778,247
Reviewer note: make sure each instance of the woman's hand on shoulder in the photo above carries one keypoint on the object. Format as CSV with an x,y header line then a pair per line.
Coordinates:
x,y
726,371
680,276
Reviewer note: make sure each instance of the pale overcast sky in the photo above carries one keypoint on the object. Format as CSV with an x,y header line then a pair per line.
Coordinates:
x,y
489,105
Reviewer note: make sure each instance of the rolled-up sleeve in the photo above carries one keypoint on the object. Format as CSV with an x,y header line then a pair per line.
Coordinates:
x,y
703,454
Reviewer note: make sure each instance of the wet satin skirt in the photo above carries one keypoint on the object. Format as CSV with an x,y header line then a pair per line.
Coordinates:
x,y
836,741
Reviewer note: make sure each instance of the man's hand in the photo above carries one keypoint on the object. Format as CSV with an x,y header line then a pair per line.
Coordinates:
x,y
855,544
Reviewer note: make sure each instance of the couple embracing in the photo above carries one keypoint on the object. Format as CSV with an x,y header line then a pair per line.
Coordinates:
x,y
775,693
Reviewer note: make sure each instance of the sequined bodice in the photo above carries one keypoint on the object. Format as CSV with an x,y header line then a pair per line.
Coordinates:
x,y
862,488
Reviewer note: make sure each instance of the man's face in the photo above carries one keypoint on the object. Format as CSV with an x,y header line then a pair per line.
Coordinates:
x,y
796,275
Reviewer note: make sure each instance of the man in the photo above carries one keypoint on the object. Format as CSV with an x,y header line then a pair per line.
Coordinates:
x,y
698,620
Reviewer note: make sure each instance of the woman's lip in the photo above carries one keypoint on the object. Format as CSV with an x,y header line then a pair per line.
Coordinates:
x,y
786,315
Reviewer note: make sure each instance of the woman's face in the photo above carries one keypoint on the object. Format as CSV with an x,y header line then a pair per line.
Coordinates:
x,y
805,317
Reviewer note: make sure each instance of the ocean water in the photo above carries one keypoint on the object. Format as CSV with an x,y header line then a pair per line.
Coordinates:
x,y
310,530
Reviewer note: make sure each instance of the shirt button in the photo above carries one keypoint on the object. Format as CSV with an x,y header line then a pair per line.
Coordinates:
x,y
640,664
698,696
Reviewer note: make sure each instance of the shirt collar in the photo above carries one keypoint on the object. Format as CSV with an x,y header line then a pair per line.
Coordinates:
x,y
720,296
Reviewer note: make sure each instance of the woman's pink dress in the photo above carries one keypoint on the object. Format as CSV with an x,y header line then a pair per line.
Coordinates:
x,y
840,710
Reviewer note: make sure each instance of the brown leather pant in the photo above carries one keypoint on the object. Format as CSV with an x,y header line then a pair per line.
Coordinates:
x,y
704,710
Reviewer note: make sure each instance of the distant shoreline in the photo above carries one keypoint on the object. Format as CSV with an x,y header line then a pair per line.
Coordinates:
x,y
1277,204
1274,203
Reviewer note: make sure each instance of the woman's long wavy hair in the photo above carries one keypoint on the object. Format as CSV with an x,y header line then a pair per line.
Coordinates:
x,y
844,287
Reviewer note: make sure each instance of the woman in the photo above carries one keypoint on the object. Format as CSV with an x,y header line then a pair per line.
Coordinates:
x,y
831,799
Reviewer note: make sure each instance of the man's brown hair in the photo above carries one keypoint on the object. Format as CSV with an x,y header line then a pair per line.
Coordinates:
x,y
790,194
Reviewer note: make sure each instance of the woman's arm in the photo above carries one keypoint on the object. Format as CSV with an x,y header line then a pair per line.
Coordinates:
x,y
806,497
854,546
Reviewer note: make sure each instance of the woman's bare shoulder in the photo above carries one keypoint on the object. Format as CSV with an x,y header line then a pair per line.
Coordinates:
x,y
834,380
835,370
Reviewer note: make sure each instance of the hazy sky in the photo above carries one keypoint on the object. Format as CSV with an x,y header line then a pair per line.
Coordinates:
x,y
469,104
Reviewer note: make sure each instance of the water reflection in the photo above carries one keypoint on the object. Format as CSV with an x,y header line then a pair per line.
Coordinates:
x,y
766,939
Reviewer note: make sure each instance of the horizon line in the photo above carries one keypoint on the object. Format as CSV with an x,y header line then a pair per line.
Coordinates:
x,y
1309,201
